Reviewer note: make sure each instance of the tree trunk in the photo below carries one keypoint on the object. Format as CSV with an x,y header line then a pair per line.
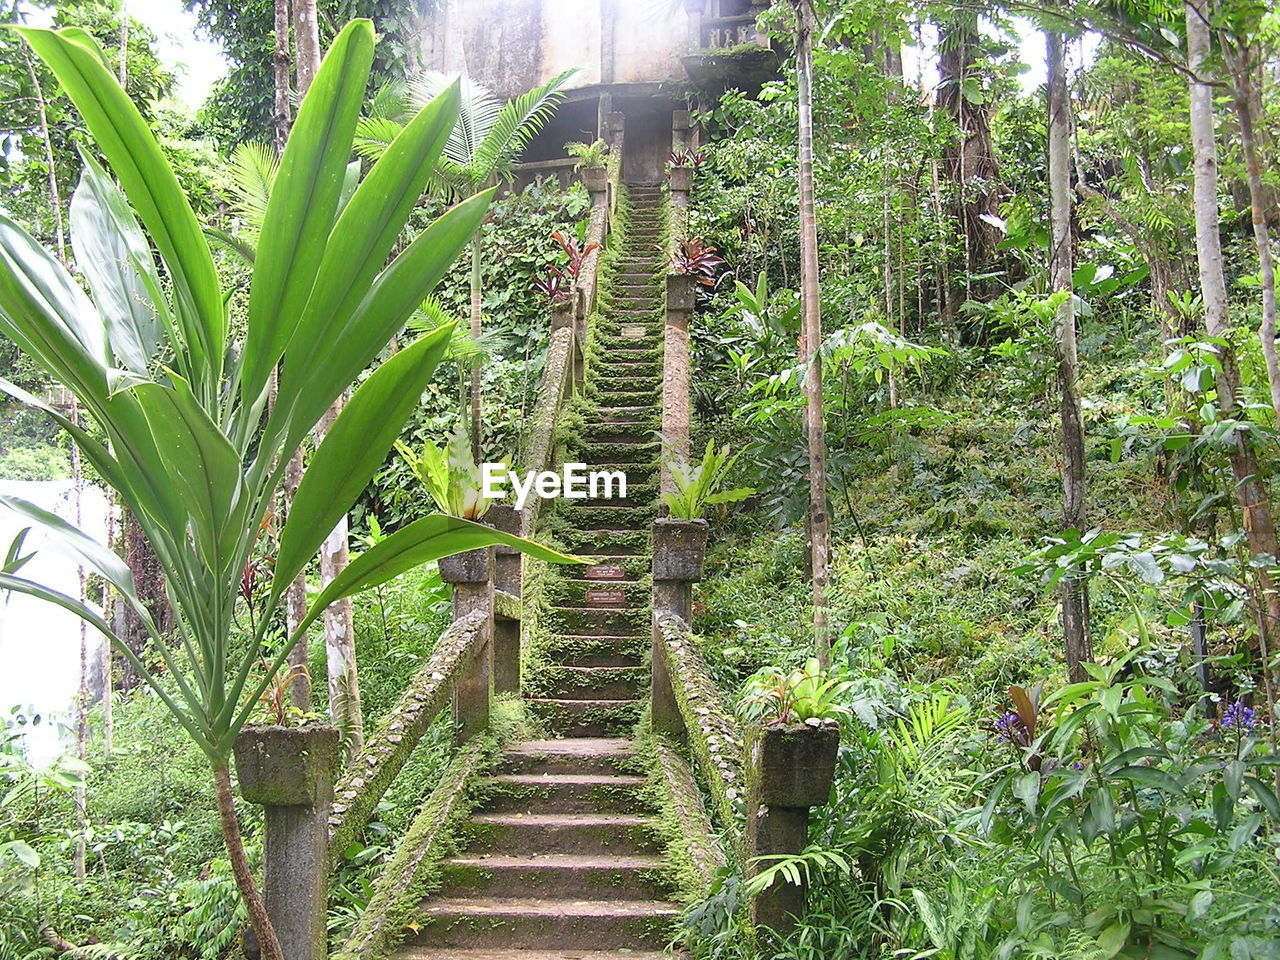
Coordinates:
x,y
1075,591
1251,492
295,597
1248,110
477,428
82,697
306,38
281,118
339,633
970,164
339,628
811,336
249,892
55,199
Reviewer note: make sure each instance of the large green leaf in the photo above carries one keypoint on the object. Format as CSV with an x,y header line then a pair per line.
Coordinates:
x,y
48,316
420,542
200,461
126,140
354,447
304,200
113,254
385,309
362,239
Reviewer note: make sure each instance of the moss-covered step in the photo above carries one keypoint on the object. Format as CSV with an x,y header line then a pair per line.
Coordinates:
x,y
622,398
613,516
594,650
582,755
588,683
562,793
540,924
611,365
618,621
572,876
586,718
602,543
628,415
573,592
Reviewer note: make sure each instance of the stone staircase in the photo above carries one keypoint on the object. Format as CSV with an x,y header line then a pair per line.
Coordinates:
x,y
562,860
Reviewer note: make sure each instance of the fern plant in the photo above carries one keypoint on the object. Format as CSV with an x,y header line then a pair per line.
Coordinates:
x,y
590,156
698,487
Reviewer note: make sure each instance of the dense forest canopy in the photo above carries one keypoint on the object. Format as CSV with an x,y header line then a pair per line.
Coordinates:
x,y
983,359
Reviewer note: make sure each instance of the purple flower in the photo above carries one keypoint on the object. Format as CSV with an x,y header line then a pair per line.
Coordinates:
x,y
1238,717
1007,727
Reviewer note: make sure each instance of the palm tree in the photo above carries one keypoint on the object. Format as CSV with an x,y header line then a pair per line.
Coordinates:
x,y
189,444
480,151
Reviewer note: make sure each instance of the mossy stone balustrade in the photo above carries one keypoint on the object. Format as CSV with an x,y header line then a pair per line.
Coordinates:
x,y
790,770
471,575
675,372
679,550
508,567
289,771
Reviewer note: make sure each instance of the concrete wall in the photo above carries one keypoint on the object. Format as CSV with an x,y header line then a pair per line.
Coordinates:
x,y
512,45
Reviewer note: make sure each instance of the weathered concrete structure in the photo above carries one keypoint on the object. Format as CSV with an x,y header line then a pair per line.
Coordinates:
x,y
631,56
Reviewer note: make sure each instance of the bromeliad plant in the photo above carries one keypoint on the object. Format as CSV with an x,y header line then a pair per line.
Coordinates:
x,y
698,487
450,476
192,447
808,694
696,258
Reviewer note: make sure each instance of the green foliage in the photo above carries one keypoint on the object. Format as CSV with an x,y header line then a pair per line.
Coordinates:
x,y
590,156
698,487
450,476
800,696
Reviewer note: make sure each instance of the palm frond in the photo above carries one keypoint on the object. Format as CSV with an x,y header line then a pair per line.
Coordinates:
x,y
515,125
390,102
478,113
374,135
252,171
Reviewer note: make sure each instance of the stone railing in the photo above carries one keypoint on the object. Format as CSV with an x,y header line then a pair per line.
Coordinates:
x,y
763,780
310,822
722,33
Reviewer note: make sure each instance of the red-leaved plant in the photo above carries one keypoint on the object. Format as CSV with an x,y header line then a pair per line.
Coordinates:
x,y
697,259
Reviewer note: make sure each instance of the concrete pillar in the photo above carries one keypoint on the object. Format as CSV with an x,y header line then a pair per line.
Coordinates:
x,y
694,10
289,771
679,551
789,770
471,574
675,373
508,565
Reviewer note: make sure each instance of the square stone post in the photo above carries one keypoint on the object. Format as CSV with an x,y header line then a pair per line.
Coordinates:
x,y
508,567
289,771
675,373
694,10
679,550
615,136
790,770
471,574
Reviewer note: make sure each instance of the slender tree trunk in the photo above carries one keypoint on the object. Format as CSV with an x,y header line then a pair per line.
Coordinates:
x,y
55,198
108,614
811,337
1248,109
339,628
240,869
82,698
123,68
339,632
295,597
306,38
1075,592
1251,492
281,118
477,426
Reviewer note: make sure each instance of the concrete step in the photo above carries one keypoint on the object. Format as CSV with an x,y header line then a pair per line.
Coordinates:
x,y
599,650
531,834
615,621
606,543
583,755
534,793
586,718
588,683
545,924
563,875
633,517
485,953
576,592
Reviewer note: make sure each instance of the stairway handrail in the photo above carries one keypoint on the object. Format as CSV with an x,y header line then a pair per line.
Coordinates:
x,y
715,739
385,753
